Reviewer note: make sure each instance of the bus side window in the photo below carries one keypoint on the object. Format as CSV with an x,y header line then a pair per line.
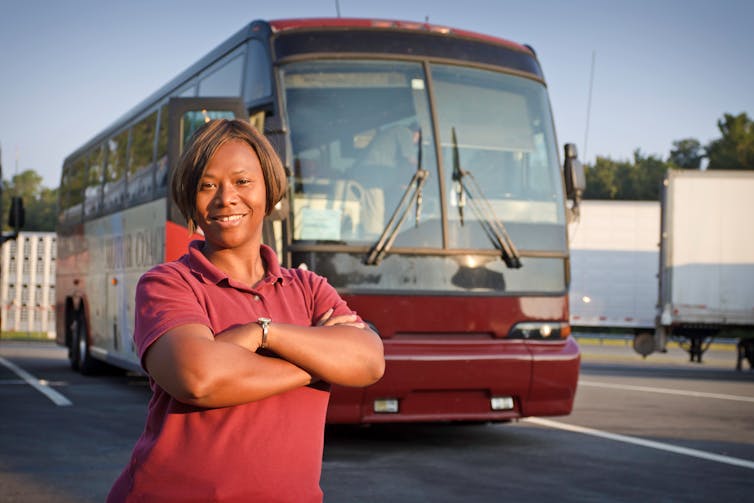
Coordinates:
x,y
115,172
225,80
93,190
161,170
141,160
72,194
258,83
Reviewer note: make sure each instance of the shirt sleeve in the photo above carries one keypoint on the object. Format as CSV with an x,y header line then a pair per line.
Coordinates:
x,y
164,300
324,297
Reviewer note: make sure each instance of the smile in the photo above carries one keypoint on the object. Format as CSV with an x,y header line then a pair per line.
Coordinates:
x,y
228,218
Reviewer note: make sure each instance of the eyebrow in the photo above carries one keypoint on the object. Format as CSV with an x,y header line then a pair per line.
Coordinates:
x,y
239,171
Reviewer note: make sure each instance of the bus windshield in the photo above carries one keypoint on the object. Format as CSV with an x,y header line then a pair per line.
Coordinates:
x,y
360,131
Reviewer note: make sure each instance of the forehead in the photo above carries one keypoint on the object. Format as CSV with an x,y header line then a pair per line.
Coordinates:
x,y
232,156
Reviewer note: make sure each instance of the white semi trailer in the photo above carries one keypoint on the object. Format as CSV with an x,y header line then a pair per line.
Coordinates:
x,y
682,267
614,265
706,280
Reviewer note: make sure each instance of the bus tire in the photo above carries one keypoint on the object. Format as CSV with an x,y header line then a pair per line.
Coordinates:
x,y
71,327
82,359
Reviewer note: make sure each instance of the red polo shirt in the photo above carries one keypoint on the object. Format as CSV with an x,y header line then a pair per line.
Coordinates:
x,y
269,450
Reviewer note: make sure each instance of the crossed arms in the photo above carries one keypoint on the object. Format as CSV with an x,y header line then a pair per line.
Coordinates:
x,y
198,368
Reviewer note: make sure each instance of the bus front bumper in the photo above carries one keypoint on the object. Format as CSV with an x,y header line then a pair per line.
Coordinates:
x,y
462,380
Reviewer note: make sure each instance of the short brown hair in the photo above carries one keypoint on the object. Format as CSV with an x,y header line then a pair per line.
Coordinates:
x,y
202,146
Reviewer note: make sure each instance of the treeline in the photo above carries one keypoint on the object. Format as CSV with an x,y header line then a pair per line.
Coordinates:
x,y
635,179
40,202
640,178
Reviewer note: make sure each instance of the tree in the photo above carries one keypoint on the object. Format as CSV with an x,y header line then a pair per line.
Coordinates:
x,y
735,150
637,180
602,179
687,153
649,172
39,201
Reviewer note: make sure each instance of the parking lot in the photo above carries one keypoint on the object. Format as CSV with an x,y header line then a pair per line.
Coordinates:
x,y
655,429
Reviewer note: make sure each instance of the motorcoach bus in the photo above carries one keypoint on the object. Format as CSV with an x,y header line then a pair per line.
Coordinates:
x,y
425,184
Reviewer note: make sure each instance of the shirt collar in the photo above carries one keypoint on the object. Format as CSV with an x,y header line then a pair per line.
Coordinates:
x,y
207,271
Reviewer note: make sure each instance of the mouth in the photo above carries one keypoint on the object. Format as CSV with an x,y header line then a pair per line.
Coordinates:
x,y
227,218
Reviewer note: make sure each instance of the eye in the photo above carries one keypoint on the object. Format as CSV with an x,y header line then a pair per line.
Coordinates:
x,y
243,181
206,186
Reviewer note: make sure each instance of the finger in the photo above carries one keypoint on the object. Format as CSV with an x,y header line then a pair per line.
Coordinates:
x,y
325,317
355,324
340,319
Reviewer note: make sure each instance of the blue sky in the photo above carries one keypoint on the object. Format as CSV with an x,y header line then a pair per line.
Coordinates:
x,y
665,69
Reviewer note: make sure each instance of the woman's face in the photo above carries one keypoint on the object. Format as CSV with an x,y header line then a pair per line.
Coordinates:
x,y
231,197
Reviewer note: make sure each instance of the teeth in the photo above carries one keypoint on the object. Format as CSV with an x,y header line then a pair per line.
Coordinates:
x,y
231,218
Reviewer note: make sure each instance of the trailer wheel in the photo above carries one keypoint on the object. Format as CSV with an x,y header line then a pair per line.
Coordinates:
x,y
644,343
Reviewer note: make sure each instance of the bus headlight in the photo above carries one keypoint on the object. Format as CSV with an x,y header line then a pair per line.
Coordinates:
x,y
540,330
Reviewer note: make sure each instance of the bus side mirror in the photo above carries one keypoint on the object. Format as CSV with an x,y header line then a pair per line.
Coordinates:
x,y
17,215
573,171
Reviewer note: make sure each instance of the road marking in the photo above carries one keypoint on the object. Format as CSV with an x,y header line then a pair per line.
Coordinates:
x,y
40,385
667,391
744,463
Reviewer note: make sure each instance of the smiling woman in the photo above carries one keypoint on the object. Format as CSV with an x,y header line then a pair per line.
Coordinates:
x,y
239,351
230,203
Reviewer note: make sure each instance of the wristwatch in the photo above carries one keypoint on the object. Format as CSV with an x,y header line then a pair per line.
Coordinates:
x,y
265,324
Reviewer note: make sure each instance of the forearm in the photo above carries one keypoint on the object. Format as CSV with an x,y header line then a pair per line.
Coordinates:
x,y
340,354
199,370
249,378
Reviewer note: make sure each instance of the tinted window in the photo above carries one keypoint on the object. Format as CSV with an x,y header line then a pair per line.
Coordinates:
x,y
115,174
93,190
407,43
503,144
72,190
360,131
162,153
259,76
141,160
223,81
189,92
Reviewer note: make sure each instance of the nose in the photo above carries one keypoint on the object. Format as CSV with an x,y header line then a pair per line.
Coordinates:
x,y
226,194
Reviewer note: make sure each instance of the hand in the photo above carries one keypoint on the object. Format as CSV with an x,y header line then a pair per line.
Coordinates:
x,y
328,320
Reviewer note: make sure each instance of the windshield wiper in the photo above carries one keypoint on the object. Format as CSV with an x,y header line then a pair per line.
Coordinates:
x,y
484,211
412,195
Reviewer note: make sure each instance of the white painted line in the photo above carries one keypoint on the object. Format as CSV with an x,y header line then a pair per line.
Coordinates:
x,y
39,384
744,463
667,391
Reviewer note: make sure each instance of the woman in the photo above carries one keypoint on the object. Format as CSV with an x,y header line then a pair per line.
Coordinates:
x,y
238,350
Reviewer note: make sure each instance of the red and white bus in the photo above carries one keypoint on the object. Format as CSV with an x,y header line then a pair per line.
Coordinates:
x,y
425,184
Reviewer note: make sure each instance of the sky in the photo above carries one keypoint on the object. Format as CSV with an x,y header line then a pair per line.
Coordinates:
x,y
658,70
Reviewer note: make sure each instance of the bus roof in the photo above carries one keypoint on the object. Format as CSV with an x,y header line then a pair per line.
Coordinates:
x,y
254,28
280,25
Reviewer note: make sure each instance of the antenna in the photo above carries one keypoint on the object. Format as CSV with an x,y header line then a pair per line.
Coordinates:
x,y
337,7
589,104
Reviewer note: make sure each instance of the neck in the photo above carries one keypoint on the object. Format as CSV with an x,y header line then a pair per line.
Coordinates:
x,y
243,264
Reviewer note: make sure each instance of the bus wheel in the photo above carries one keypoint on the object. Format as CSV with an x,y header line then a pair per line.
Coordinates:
x,y
72,328
82,359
